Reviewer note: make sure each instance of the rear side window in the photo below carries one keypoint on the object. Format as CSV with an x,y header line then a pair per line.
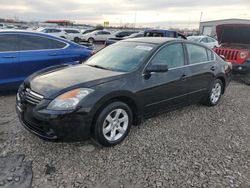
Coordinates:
x,y
28,42
8,42
154,34
210,40
71,31
210,55
55,30
196,54
204,40
172,55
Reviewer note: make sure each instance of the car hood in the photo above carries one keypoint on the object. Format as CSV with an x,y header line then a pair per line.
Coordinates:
x,y
233,33
57,81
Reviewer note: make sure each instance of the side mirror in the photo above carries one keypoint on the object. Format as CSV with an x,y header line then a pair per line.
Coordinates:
x,y
223,57
156,68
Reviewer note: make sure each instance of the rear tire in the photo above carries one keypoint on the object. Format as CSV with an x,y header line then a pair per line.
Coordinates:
x,y
76,40
246,78
91,40
214,94
113,124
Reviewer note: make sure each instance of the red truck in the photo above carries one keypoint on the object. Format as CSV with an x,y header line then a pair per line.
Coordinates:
x,y
234,40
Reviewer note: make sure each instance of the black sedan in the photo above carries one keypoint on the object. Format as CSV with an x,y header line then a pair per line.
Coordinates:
x,y
118,87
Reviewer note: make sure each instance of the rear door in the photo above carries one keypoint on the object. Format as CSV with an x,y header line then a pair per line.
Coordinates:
x,y
200,70
103,35
37,52
163,91
9,60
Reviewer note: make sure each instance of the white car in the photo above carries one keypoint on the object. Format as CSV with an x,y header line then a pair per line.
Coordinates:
x,y
98,35
57,32
73,34
208,41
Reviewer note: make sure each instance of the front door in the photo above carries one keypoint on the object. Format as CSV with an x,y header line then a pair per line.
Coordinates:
x,y
162,91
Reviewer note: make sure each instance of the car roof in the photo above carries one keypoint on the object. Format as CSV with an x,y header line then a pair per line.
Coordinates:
x,y
30,32
153,40
159,30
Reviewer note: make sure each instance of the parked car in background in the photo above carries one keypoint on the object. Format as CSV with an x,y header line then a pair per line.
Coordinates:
x,y
57,32
135,35
97,36
23,53
163,33
73,35
119,86
234,42
119,35
85,31
3,25
206,40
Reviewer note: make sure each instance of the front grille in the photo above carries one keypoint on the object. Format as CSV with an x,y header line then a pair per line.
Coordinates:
x,y
30,97
230,54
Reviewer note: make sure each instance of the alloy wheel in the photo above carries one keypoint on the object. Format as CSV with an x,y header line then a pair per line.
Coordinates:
x,y
115,125
216,93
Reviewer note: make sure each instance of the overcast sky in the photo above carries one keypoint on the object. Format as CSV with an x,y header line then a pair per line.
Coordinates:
x,y
167,13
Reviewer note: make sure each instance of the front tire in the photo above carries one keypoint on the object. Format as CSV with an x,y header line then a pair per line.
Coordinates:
x,y
214,95
113,124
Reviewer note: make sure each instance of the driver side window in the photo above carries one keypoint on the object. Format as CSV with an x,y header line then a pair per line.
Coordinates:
x,y
172,55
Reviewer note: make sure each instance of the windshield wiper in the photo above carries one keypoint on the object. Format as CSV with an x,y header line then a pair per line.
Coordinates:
x,y
99,67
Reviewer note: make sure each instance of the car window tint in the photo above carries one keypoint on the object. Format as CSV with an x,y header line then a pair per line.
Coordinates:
x,y
71,31
8,43
105,33
196,54
28,42
172,55
210,40
205,40
154,34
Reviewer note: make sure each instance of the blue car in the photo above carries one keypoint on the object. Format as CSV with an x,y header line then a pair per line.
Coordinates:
x,y
163,33
23,53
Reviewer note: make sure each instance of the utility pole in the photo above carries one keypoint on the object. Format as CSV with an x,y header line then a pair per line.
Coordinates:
x,y
200,22
135,19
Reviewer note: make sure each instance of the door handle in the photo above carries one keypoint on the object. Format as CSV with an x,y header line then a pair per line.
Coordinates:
x,y
53,54
184,77
212,68
9,57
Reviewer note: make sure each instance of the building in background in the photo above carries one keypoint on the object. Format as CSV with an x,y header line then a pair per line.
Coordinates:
x,y
60,22
209,27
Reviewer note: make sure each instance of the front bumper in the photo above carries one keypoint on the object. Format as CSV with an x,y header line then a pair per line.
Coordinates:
x,y
63,127
241,68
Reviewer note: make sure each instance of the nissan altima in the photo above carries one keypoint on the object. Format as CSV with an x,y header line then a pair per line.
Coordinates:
x,y
118,87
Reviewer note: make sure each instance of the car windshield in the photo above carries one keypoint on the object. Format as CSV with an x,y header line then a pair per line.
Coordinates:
x,y
194,39
123,56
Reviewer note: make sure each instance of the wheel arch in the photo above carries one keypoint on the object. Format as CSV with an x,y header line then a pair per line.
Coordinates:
x,y
223,80
126,97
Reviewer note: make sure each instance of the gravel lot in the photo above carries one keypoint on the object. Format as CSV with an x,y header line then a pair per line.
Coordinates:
x,y
195,146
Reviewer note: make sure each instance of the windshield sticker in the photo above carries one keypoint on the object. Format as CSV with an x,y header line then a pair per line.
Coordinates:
x,y
147,48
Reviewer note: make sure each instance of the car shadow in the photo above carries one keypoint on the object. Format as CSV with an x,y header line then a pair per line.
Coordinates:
x,y
8,93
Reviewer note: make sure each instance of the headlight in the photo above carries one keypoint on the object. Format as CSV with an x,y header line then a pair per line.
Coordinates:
x,y
69,100
243,55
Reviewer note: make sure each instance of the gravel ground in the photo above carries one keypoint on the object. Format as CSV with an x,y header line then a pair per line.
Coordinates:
x,y
195,146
